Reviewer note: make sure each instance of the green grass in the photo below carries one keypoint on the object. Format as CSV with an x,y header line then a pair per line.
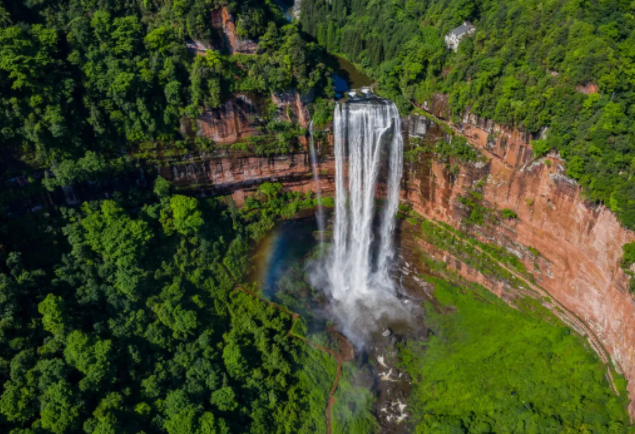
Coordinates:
x,y
491,368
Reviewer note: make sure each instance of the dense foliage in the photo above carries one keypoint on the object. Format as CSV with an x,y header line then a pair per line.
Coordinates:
x,y
103,76
524,67
545,382
131,323
628,259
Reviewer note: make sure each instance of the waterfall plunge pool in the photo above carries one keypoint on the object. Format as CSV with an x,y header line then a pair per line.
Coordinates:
x,y
372,382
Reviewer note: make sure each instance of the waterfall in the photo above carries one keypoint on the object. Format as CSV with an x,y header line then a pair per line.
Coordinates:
x,y
357,273
316,182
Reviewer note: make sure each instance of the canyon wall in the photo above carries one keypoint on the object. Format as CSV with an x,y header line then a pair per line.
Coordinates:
x,y
580,243
238,174
224,37
237,118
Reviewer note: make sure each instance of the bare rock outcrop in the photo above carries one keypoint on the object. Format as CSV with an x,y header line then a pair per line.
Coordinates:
x,y
292,106
236,173
237,118
224,23
243,115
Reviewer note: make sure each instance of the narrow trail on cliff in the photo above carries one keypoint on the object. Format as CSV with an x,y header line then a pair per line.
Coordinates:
x,y
471,140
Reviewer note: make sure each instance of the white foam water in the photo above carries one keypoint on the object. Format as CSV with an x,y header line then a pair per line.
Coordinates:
x,y
356,273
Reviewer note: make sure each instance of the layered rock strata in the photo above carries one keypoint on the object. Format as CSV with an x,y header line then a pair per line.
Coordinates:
x,y
243,116
238,174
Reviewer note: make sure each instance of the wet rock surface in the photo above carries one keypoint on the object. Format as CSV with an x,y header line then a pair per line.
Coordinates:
x,y
392,383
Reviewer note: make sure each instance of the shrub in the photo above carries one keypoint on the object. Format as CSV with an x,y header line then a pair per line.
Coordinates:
x,y
508,213
457,149
541,147
629,254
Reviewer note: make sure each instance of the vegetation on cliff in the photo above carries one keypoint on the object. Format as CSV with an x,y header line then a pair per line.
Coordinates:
x,y
105,76
526,66
628,260
128,321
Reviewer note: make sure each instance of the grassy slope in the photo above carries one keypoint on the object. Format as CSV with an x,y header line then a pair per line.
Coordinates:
x,y
316,378
491,368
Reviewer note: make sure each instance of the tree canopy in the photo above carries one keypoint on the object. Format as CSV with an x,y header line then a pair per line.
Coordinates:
x,y
82,81
134,324
563,65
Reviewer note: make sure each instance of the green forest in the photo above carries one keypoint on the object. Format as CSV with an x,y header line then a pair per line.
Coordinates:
x,y
524,67
127,314
94,79
127,320
123,315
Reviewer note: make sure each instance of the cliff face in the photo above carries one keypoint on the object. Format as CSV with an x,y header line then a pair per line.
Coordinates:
x,y
242,116
579,243
292,106
237,118
238,174
224,23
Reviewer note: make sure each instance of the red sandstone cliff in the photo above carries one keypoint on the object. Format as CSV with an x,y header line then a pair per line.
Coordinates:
x,y
236,173
292,106
237,118
243,115
580,243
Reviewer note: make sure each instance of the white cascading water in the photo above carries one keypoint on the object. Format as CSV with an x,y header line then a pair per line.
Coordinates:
x,y
316,182
357,272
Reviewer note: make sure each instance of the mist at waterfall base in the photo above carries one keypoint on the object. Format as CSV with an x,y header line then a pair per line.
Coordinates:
x,y
355,273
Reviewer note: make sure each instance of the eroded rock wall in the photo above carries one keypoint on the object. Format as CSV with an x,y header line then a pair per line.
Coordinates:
x,y
243,116
238,174
580,244
237,118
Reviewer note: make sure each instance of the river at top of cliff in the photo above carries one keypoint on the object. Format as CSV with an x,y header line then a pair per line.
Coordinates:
x,y
348,77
